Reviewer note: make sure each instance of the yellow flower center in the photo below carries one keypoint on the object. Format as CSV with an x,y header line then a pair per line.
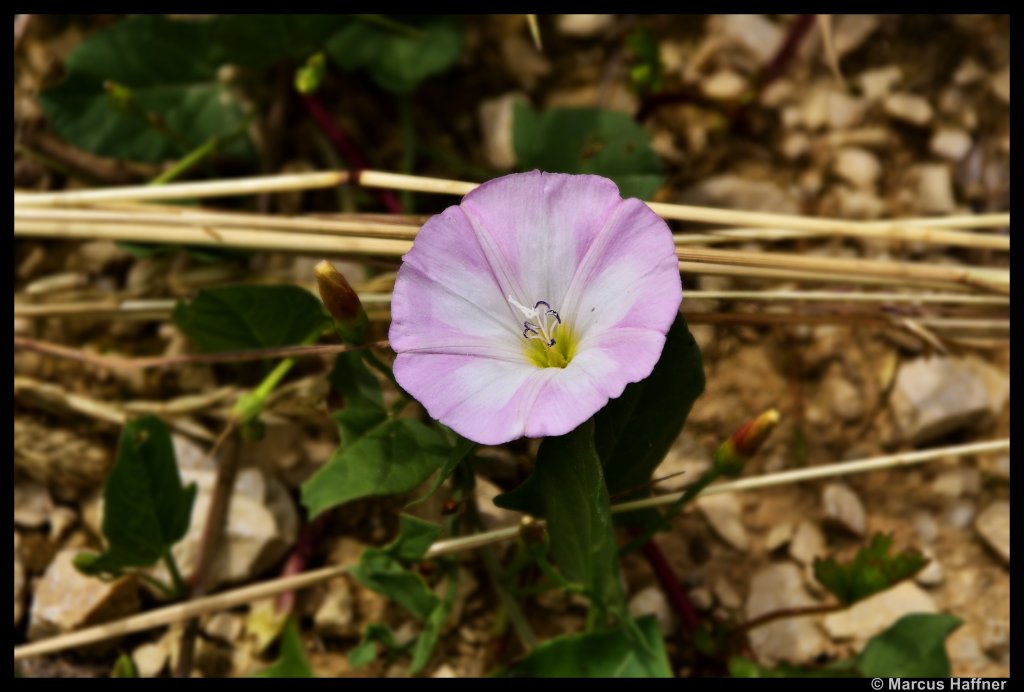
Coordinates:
x,y
549,342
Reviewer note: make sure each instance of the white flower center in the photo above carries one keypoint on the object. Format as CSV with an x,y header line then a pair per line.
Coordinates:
x,y
540,321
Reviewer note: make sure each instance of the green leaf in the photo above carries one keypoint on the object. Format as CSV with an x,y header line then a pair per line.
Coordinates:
x,y
167,68
415,536
393,457
636,431
124,667
460,448
201,253
362,398
872,570
232,318
432,626
588,140
914,647
260,40
579,522
145,508
366,650
397,60
610,654
743,667
291,661
645,75
381,569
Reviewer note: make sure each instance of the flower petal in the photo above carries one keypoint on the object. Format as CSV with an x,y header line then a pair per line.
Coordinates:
x,y
479,398
605,364
446,292
542,224
629,278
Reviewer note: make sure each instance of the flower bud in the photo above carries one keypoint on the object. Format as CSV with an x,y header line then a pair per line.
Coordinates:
x,y
744,443
342,302
310,76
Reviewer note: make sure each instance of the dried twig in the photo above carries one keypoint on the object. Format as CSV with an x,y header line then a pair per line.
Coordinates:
x,y
236,597
127,363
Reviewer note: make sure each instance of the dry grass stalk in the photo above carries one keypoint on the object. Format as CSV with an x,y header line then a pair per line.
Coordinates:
x,y
994,280
230,599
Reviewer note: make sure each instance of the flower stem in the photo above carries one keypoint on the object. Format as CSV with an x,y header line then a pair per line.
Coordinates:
x,y
408,145
671,585
801,611
642,537
347,149
180,588
190,160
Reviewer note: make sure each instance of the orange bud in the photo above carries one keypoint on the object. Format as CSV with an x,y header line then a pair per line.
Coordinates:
x,y
744,443
342,302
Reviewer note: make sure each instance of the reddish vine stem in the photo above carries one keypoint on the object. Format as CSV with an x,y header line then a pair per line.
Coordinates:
x,y
347,149
299,558
801,611
670,584
216,518
129,363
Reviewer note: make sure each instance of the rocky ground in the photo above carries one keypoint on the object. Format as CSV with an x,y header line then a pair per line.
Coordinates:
x,y
922,129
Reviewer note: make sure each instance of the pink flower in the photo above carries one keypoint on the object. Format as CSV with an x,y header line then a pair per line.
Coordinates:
x,y
528,306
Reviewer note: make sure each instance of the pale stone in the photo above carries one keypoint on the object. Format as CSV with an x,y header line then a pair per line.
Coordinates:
x,y
65,599
722,512
778,536
932,574
227,627
870,616
583,25
336,615
950,143
959,514
701,598
876,84
795,145
808,543
795,640
1000,85
857,166
496,121
444,671
150,659
814,108
993,525
969,72
522,59
935,189
652,601
32,504
19,584
995,381
857,203
850,31
727,594
724,85
844,507
934,396
909,108
738,192
493,517
844,111
756,33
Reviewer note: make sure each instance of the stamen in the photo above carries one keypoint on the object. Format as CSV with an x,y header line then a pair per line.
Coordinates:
x,y
540,323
